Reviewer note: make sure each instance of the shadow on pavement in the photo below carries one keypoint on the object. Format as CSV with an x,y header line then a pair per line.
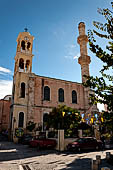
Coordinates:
x,y
79,164
10,151
86,164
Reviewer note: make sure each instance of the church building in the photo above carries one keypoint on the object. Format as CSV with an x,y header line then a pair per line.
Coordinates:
x,y
34,96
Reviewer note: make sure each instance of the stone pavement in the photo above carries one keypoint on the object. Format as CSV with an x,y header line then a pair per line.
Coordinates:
x,y
21,157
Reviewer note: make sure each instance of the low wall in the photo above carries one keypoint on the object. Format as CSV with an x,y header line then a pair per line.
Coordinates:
x,y
66,142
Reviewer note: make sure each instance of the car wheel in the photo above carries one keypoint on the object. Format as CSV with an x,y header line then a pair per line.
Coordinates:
x,y
38,147
79,149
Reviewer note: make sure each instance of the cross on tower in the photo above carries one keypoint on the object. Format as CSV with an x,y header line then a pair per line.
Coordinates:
x,y
26,29
112,4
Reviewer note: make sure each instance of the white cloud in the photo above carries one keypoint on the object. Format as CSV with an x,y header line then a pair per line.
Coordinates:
x,y
71,56
72,46
68,57
4,70
59,33
5,88
70,51
76,56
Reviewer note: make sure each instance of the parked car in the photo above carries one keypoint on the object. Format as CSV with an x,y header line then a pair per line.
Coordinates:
x,y
85,143
109,144
42,142
26,139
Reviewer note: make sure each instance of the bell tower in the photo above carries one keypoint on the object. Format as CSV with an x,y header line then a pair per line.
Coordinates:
x,y
22,72
23,58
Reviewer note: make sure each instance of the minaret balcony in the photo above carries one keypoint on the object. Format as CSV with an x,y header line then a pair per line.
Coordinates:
x,y
82,38
84,59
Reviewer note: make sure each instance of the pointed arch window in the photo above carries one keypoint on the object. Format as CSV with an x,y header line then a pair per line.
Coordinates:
x,y
47,93
74,96
21,120
61,95
22,90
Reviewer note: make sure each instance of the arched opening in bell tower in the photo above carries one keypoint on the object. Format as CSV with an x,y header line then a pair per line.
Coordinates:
x,y
28,45
27,66
21,63
23,45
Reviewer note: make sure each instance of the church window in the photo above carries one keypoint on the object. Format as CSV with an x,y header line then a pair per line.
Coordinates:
x,y
46,93
23,45
28,45
21,119
21,63
74,97
61,95
22,90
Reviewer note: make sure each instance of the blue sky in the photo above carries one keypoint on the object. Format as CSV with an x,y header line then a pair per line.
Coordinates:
x,y
54,24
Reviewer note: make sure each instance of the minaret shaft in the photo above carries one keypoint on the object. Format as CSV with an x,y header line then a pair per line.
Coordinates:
x,y
84,59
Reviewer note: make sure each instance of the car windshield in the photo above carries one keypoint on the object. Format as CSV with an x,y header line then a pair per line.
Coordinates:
x,y
81,140
39,137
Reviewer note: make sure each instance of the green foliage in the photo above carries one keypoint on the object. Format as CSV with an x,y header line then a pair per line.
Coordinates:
x,y
102,87
64,117
31,126
39,128
88,132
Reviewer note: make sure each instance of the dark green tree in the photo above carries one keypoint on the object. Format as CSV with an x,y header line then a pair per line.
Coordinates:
x,y
64,117
103,86
31,126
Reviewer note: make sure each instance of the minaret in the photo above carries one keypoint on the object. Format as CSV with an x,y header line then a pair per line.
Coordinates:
x,y
84,59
